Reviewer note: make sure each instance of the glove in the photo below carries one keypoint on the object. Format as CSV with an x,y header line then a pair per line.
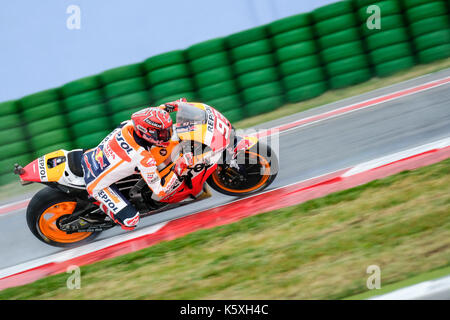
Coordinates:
x,y
183,163
173,106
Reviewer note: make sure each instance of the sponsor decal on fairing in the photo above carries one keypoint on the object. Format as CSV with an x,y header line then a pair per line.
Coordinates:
x,y
209,125
42,169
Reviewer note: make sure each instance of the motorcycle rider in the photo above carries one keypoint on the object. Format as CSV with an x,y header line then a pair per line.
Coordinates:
x,y
127,150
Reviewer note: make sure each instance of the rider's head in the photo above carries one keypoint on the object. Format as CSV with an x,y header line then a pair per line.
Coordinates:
x,y
154,125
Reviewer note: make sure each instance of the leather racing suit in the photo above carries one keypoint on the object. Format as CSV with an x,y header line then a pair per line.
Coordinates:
x,y
119,155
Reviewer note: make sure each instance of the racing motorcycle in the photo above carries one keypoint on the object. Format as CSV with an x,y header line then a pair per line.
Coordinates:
x,y
63,214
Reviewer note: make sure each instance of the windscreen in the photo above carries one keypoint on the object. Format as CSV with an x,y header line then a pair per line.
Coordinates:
x,y
188,114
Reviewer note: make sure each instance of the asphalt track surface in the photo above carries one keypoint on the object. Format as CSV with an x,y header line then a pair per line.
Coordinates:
x,y
304,152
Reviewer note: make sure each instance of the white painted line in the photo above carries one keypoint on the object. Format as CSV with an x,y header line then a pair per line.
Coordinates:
x,y
397,156
341,112
13,203
80,251
98,245
101,244
433,289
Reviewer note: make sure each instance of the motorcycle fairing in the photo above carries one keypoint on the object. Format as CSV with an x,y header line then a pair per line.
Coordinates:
x,y
52,167
245,143
215,133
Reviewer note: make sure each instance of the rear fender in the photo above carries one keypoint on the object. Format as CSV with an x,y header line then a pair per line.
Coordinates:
x,y
48,168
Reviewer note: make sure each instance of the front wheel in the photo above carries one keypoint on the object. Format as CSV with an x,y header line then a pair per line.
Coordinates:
x,y
44,212
256,169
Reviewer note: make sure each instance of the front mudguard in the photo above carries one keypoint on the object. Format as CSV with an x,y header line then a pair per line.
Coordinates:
x,y
244,143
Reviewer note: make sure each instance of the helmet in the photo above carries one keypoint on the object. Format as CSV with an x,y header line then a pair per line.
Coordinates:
x,y
153,125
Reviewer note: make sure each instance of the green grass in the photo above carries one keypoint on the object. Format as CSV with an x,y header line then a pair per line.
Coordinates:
x,y
316,250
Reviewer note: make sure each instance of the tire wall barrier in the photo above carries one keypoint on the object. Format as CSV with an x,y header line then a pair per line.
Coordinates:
x,y
244,74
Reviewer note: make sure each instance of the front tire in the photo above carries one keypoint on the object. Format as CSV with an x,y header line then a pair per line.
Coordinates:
x,y
258,169
43,212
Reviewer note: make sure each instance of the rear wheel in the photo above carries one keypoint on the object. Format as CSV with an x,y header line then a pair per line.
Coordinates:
x,y
258,167
44,212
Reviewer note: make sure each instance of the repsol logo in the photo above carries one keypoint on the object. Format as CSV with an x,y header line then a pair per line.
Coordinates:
x,y
107,201
210,116
42,171
123,144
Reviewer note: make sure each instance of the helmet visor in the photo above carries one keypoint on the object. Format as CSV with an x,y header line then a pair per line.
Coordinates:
x,y
165,134
162,135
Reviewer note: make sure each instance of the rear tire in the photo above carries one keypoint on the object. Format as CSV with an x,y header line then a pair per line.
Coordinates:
x,y
54,203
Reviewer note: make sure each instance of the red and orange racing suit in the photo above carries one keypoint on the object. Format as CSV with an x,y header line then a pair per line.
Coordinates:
x,y
118,156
